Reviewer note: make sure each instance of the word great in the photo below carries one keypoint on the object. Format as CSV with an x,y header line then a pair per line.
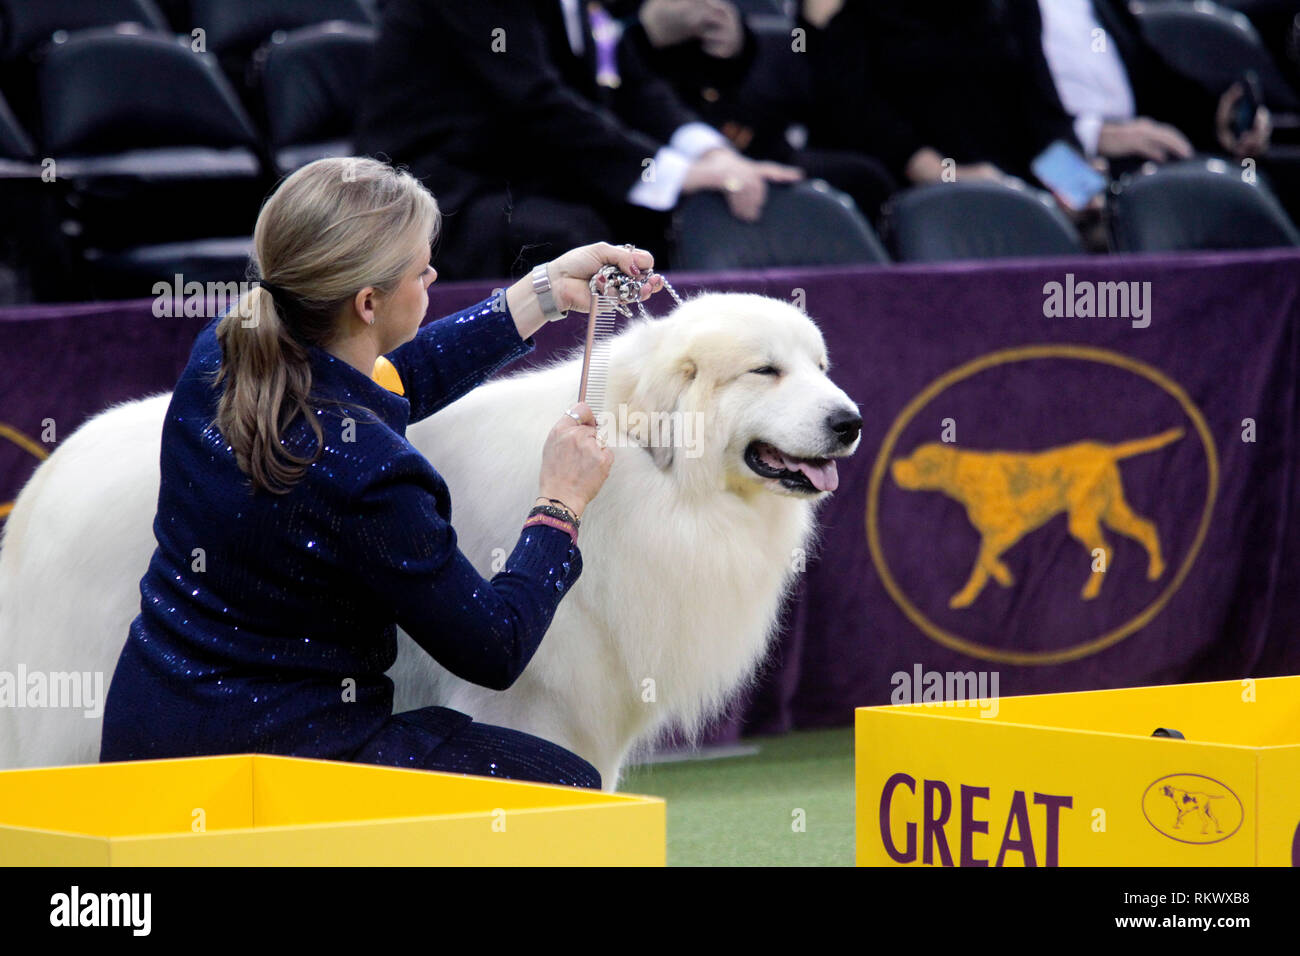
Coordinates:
x,y
940,832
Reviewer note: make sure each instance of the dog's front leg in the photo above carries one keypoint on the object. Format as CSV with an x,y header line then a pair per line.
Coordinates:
x,y
986,563
974,585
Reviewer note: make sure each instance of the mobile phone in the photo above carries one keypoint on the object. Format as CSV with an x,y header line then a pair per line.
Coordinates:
x,y
1243,112
1063,170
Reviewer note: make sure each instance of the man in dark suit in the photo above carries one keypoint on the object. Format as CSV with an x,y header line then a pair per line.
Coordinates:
x,y
943,89
495,104
703,48
1126,103
752,90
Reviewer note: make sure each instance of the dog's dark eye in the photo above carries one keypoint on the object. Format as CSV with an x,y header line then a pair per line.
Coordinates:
x,y
766,370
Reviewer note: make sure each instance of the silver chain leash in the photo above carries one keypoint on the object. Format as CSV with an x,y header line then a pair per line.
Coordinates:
x,y
625,289
620,291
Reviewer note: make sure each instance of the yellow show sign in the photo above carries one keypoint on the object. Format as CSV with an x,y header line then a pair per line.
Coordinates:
x,y
261,810
1078,780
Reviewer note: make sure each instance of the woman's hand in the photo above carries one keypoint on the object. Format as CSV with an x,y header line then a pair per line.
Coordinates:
x,y
574,463
570,276
571,273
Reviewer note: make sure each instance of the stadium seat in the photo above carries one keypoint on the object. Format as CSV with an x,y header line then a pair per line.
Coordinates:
x,y
1196,205
150,141
133,272
28,24
804,223
976,220
1213,45
239,33
106,91
27,27
241,26
1274,21
311,81
22,197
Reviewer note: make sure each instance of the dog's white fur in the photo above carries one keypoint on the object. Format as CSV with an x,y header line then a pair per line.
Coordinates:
x,y
687,553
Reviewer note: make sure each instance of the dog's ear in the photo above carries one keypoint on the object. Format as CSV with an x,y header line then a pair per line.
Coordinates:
x,y
656,395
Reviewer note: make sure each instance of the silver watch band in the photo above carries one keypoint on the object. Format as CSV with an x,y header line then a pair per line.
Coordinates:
x,y
545,297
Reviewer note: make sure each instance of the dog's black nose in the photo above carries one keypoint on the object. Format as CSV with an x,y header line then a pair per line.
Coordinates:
x,y
846,425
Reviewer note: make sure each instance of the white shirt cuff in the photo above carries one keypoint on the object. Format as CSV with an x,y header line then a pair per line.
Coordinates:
x,y
695,139
661,183
1088,128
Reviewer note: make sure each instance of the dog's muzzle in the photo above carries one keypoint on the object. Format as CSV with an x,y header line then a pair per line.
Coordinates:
x,y
845,425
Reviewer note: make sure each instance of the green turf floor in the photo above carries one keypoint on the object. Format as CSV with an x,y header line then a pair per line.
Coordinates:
x,y
740,810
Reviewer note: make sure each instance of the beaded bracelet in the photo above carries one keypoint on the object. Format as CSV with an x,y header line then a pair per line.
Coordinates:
x,y
550,522
563,514
557,501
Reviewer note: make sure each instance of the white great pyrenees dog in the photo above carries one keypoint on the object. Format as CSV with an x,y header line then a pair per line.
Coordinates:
x,y
725,429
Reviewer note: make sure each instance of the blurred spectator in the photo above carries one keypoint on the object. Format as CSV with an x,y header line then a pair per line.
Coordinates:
x,y
958,86
496,105
702,47
708,53
1127,103
1276,22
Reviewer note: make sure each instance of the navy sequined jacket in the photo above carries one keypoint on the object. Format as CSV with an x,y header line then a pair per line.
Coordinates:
x,y
267,622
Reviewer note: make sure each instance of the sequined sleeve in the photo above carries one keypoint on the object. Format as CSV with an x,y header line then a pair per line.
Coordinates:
x,y
482,631
452,355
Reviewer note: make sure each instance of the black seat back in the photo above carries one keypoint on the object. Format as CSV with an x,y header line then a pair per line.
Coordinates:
x,y
1214,46
312,81
803,223
240,26
1196,205
150,141
976,220
28,24
105,91
28,27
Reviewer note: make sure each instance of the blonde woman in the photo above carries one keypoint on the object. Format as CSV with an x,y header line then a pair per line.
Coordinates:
x,y
297,528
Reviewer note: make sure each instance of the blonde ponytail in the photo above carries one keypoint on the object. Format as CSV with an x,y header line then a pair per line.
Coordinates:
x,y
269,389
331,229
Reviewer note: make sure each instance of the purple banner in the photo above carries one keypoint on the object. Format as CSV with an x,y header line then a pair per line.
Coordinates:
x,y
1074,474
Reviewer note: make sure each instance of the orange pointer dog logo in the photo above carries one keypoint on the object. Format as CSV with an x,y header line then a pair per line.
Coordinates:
x,y
1009,494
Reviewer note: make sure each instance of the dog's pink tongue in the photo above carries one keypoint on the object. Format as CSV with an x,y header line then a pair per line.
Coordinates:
x,y
822,473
